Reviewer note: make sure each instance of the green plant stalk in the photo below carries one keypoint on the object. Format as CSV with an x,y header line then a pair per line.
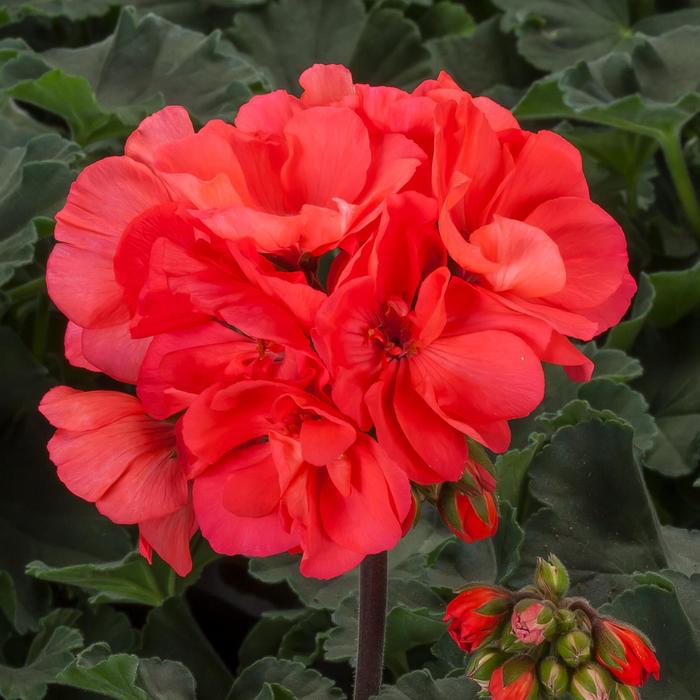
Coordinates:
x,y
671,147
372,625
42,316
27,290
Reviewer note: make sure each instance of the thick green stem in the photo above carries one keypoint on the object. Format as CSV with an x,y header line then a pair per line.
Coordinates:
x,y
673,153
370,635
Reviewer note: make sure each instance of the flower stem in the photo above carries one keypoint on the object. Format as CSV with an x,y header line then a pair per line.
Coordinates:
x,y
370,636
673,153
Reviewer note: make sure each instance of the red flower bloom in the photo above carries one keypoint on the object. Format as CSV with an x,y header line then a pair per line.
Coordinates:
x,y
515,680
282,288
413,350
625,652
109,452
329,491
513,205
476,614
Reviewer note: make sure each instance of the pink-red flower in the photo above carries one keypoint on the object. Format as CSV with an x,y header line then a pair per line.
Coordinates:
x,y
514,207
314,305
110,452
278,469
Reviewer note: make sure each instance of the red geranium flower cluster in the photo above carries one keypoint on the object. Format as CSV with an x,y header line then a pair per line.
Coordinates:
x,y
316,304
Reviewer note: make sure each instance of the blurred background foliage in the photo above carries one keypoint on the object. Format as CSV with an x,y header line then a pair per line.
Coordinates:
x,y
605,474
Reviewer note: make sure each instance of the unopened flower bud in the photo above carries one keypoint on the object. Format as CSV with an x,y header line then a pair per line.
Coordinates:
x,y
533,621
554,676
511,644
551,577
625,692
592,682
483,663
574,648
566,620
515,680
470,516
625,652
476,615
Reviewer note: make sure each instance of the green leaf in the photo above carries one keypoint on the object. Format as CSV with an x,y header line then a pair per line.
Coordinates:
x,y
479,62
508,541
129,580
446,18
671,385
512,468
613,364
35,174
44,662
149,62
553,34
172,632
420,685
293,677
288,36
266,636
677,293
61,529
102,623
598,517
71,98
97,670
341,641
303,641
669,617
104,89
166,680
405,631
126,677
604,394
651,90
390,51
625,333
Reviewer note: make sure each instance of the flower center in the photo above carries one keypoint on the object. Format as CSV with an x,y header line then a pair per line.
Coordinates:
x,y
394,332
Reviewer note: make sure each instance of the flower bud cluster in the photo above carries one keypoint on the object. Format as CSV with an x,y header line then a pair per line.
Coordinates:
x,y
538,644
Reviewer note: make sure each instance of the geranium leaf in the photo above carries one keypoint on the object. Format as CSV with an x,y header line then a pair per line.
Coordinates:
x,y
301,682
420,685
648,90
625,333
62,529
127,677
591,486
671,385
104,89
553,34
288,36
47,657
481,61
128,580
36,174
172,632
